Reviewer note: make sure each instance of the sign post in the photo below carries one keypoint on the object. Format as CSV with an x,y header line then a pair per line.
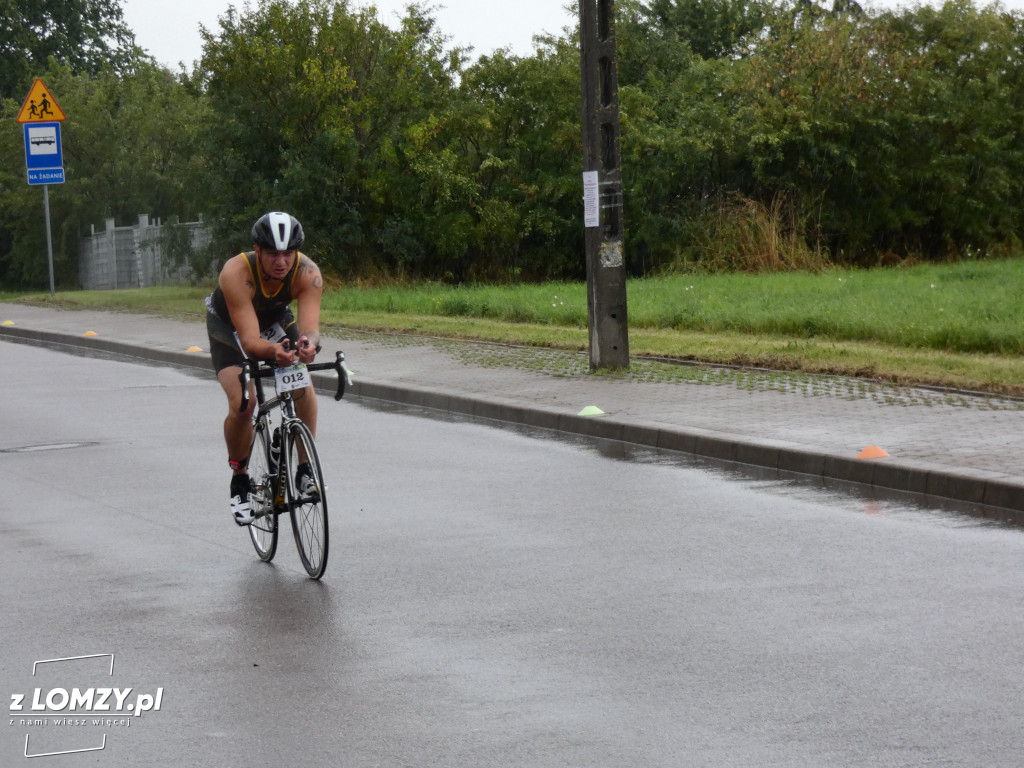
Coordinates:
x,y
44,160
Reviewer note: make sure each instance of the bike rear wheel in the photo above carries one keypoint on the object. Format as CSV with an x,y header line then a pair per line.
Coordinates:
x,y
263,477
308,512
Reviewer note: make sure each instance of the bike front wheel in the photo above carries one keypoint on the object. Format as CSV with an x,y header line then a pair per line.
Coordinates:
x,y
263,479
309,508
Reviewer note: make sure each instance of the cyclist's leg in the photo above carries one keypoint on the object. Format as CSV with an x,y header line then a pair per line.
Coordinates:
x,y
306,407
238,431
237,424
227,360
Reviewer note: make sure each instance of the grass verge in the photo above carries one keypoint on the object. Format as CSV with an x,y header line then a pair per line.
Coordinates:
x,y
936,325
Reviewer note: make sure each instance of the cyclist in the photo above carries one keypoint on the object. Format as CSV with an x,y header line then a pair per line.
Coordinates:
x,y
249,315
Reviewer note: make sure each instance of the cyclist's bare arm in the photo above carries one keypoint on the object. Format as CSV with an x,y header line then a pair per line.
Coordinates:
x,y
237,283
308,288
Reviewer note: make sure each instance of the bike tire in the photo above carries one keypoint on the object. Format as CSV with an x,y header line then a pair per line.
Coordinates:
x,y
262,530
308,514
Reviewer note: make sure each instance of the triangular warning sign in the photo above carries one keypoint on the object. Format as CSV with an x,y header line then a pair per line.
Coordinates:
x,y
40,106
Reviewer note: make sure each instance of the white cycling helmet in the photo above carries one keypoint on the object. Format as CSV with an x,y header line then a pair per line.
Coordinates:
x,y
277,231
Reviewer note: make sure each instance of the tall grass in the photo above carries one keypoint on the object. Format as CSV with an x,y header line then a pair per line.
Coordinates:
x,y
962,307
746,236
966,307
547,303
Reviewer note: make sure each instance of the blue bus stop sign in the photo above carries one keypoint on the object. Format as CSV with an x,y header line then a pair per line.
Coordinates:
x,y
43,155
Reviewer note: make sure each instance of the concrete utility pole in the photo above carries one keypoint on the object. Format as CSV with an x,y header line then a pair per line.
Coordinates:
x,y
602,187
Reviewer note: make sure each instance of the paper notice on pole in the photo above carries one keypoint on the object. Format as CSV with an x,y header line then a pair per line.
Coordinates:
x,y
591,211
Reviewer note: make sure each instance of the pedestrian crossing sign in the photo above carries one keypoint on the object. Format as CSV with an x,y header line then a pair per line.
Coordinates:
x,y
40,106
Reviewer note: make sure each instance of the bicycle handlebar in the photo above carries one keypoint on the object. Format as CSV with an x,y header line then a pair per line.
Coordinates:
x,y
263,370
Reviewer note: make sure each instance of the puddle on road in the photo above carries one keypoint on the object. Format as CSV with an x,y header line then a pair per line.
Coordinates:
x,y
874,501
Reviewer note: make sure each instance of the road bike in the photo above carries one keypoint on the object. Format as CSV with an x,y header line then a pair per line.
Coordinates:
x,y
280,443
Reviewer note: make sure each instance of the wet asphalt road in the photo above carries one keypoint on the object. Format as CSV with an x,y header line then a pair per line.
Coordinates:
x,y
493,598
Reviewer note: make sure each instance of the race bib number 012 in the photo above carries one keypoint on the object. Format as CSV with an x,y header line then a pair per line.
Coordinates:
x,y
291,378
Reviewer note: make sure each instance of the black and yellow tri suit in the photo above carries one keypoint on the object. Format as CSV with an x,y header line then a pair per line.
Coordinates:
x,y
271,308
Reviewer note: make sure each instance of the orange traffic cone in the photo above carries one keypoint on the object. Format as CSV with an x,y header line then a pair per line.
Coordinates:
x,y
872,452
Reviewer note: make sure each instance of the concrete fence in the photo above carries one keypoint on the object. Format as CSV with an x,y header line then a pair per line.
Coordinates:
x,y
146,254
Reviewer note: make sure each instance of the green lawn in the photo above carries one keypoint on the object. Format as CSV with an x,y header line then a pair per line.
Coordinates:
x,y
958,325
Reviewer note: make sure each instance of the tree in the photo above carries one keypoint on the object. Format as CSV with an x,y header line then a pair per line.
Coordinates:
x,y
681,148
896,133
961,162
129,145
713,29
506,182
86,35
319,109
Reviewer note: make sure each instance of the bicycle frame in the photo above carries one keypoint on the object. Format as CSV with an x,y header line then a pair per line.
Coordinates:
x,y
274,485
279,501
255,371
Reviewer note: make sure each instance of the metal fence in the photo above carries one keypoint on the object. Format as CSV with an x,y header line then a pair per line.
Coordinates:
x,y
148,253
